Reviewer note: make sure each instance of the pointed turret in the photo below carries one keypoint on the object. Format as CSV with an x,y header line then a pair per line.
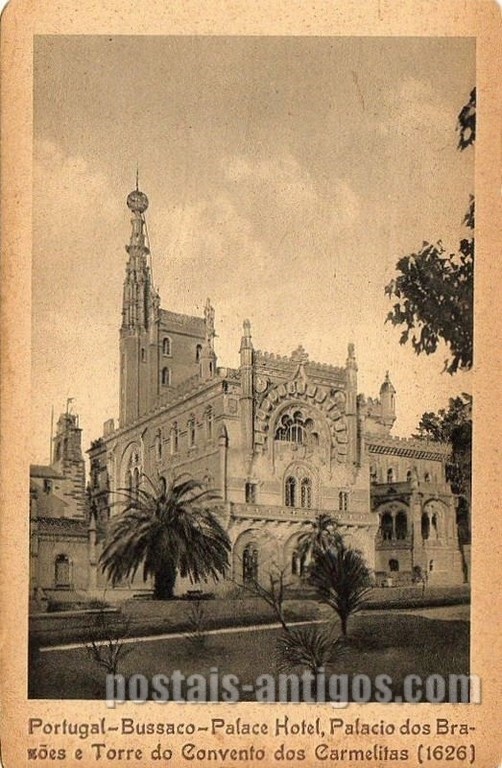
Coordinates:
x,y
208,355
388,401
140,298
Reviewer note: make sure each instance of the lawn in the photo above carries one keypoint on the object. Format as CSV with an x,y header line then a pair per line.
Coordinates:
x,y
395,644
153,617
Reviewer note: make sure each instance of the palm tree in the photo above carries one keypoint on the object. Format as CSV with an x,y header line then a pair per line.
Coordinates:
x,y
342,579
168,531
322,534
310,648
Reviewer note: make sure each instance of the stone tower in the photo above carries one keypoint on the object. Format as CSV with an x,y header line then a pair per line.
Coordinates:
x,y
69,462
140,307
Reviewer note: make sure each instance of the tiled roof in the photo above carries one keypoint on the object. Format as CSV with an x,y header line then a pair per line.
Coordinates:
x,y
63,524
176,318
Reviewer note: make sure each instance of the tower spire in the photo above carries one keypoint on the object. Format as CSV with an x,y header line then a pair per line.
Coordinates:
x,y
140,310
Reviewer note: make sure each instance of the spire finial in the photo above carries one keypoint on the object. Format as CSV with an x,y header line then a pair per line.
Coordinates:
x,y
209,319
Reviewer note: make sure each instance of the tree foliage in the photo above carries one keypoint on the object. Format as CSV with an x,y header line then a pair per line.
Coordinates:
x,y
168,531
342,580
466,122
319,535
434,288
453,425
310,648
273,592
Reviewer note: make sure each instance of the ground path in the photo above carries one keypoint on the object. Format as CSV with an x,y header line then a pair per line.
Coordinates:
x,y
446,613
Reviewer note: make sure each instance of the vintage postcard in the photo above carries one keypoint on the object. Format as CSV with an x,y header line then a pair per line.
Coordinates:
x,y
250,375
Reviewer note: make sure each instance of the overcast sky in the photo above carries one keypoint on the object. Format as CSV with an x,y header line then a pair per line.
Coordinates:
x,y
285,176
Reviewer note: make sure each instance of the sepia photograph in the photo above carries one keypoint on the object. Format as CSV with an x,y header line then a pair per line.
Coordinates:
x,y
251,353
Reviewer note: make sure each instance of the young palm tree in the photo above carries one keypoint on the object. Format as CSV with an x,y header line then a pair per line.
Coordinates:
x,y
342,579
310,648
168,532
320,535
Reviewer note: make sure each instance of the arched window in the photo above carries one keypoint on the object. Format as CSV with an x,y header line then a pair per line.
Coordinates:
x,y
387,526
209,423
427,477
297,563
291,428
306,493
62,571
134,473
191,432
373,474
250,564
143,355
431,565
158,444
198,353
393,565
401,525
135,480
250,493
290,492
425,526
409,476
166,377
343,501
163,485
391,476
174,437
166,346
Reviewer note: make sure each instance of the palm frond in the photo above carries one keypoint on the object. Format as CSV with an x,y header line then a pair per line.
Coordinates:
x,y
311,647
175,529
342,579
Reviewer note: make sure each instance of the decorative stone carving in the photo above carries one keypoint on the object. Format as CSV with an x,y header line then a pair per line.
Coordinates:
x,y
322,399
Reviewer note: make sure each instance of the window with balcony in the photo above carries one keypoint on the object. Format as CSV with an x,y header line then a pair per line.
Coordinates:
x,y
306,492
290,492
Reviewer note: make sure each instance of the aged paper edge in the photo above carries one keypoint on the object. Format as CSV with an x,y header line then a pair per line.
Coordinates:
x,y
20,22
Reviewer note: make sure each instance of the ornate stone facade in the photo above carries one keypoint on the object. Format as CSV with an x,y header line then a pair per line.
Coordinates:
x,y
282,439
